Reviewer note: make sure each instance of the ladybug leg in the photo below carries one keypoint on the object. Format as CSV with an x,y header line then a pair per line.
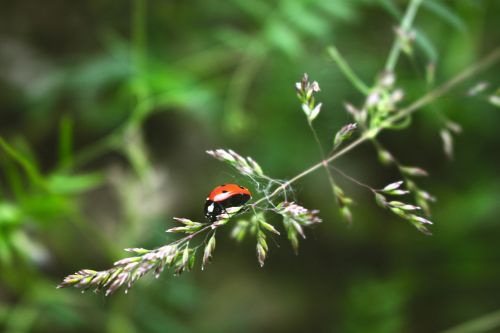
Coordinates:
x,y
217,211
223,210
242,209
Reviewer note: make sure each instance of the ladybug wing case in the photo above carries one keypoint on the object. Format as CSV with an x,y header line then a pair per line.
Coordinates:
x,y
214,209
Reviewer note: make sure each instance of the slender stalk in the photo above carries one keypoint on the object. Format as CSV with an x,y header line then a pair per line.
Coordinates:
x,y
194,234
406,23
128,270
489,60
486,62
313,168
144,101
323,156
96,149
347,70
28,167
485,323
355,181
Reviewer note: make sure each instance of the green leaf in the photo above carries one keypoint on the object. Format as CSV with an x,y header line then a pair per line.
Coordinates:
x,y
256,9
445,13
10,214
338,9
392,9
425,44
302,18
74,184
29,167
281,36
232,38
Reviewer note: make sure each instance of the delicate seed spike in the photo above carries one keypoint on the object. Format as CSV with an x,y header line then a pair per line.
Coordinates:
x,y
269,227
387,79
209,249
392,186
261,254
380,200
351,110
294,218
373,99
315,86
478,88
315,112
247,167
344,134
413,171
447,139
385,157
454,127
346,214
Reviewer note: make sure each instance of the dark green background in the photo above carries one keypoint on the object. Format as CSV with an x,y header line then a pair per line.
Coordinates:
x,y
210,74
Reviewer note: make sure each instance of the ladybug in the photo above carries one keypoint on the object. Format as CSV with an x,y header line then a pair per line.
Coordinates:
x,y
224,197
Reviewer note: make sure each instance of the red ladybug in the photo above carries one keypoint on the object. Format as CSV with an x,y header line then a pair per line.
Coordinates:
x,y
224,197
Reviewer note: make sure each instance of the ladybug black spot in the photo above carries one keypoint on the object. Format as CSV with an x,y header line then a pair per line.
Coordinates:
x,y
224,191
242,188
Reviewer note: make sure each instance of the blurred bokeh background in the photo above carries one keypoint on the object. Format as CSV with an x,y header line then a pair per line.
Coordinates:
x,y
107,108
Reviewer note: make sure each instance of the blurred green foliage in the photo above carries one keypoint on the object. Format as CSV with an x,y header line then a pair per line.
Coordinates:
x,y
106,109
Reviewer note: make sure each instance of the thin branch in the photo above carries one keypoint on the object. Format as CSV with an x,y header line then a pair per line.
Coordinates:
x,y
323,156
417,105
354,180
486,62
406,24
484,323
347,70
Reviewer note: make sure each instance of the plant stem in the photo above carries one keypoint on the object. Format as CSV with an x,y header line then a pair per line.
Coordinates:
x,y
406,24
347,70
194,234
489,60
304,173
485,323
144,102
354,180
424,100
323,156
30,169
